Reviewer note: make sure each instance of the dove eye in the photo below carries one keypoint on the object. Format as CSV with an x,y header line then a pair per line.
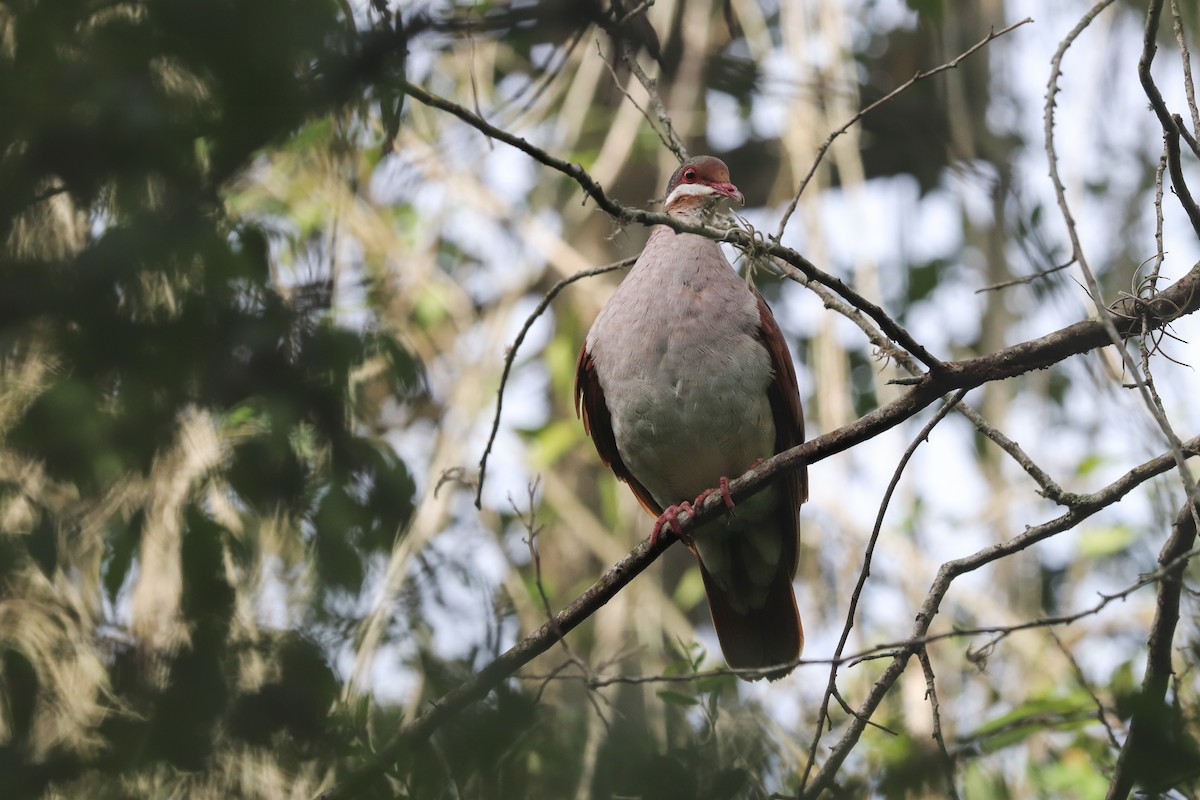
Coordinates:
x,y
690,175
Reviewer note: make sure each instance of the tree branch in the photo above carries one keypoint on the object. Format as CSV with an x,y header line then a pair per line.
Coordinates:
x,y
1180,299
1093,286
865,572
1177,300
1086,506
920,76
1147,731
737,237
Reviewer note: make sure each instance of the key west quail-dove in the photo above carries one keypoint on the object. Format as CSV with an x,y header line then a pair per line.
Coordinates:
x,y
684,381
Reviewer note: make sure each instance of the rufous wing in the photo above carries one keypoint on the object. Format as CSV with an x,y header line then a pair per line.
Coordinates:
x,y
597,423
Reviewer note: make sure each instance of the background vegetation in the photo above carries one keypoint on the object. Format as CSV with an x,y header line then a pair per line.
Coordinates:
x,y
264,279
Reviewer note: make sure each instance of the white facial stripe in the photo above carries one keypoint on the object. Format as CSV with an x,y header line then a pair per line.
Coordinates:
x,y
689,190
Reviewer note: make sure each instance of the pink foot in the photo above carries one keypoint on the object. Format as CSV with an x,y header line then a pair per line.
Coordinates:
x,y
724,494
670,517
724,489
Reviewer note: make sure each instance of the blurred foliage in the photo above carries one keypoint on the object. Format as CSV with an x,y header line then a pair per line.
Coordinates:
x,y
213,334
143,306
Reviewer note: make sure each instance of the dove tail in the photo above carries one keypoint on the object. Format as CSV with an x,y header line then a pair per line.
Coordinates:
x,y
764,637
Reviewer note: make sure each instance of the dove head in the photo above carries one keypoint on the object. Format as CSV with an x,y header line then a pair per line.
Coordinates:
x,y
698,185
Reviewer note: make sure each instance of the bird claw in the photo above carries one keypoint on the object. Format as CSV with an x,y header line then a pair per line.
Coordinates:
x,y
671,517
700,498
725,493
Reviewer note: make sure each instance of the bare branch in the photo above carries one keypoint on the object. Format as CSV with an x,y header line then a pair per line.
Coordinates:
x,y
935,709
920,76
1185,56
667,134
511,355
739,238
1181,298
1154,313
1145,728
1171,131
865,573
1171,124
949,571
1024,278
892,649
1101,711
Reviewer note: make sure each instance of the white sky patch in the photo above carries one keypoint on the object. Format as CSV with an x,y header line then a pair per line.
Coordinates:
x,y
456,622
770,110
390,677
948,321
726,129
414,443
510,173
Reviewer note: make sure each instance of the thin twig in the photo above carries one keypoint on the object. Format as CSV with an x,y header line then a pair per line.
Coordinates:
x,y
734,236
668,135
1170,126
865,572
1177,300
919,76
1148,714
511,355
947,574
1180,298
1185,56
532,529
935,709
1101,711
1159,253
612,71
1024,278
893,649
1047,486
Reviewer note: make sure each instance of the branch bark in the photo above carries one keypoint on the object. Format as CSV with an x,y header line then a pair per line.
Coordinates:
x,y
739,238
1142,754
1083,507
1180,299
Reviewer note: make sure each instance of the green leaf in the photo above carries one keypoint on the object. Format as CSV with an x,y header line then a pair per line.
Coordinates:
x,y
1105,542
690,590
1089,464
1071,773
677,698
554,441
1032,717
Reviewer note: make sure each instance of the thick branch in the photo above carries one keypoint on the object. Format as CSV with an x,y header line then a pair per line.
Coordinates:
x,y
1084,507
1141,757
1181,298
737,237
1171,124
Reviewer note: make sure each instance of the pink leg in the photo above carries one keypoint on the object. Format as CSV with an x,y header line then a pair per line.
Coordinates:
x,y
724,494
724,489
670,517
